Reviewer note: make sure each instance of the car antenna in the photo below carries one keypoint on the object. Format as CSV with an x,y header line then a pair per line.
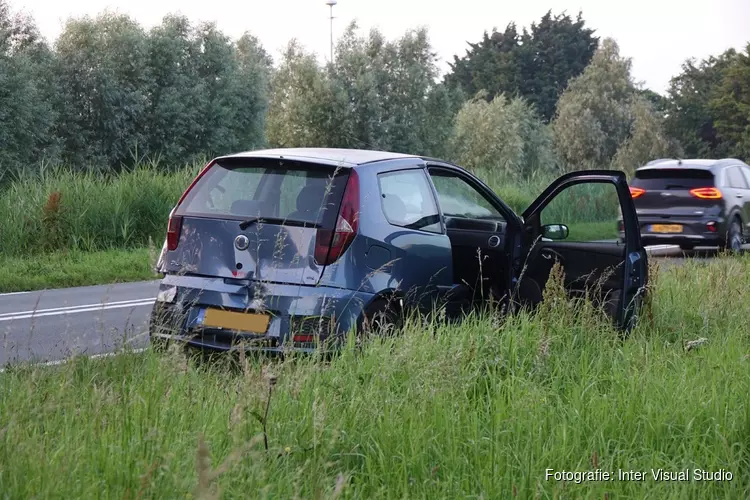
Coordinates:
x,y
679,161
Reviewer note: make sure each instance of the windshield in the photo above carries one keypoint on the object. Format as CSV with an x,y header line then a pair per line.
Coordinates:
x,y
306,194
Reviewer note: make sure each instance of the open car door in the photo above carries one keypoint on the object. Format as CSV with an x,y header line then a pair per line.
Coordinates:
x,y
574,222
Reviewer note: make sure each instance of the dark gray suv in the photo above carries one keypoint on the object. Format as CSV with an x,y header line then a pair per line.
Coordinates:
x,y
693,202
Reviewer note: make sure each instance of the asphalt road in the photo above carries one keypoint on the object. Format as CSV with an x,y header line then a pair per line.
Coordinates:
x,y
55,324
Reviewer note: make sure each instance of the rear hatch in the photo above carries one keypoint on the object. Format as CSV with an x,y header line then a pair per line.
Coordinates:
x,y
258,219
674,192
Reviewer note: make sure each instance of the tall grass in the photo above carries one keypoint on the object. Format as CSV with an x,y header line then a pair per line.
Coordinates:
x,y
59,209
479,410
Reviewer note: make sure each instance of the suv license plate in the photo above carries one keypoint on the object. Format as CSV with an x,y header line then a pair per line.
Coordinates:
x,y
666,228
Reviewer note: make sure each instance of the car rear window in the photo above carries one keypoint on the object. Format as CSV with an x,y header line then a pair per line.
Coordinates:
x,y
672,178
296,193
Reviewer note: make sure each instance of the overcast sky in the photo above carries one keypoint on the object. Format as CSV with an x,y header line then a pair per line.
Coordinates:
x,y
658,34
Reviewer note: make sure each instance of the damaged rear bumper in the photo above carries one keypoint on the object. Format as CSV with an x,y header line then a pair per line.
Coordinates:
x,y
299,316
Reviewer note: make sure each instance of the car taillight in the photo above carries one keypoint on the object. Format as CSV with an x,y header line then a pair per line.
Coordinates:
x,y
331,244
174,226
636,192
708,193
173,231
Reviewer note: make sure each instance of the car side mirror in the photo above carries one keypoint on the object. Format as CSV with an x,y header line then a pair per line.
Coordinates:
x,y
555,231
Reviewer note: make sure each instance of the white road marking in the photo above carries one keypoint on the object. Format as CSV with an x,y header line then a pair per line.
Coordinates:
x,y
58,362
56,311
13,293
64,308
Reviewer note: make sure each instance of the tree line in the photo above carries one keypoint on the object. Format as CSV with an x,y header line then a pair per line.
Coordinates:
x,y
554,97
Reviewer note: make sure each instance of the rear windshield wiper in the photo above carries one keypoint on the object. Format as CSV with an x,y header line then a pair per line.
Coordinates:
x,y
273,220
249,222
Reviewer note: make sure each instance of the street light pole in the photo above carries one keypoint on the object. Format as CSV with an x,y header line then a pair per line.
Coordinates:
x,y
331,3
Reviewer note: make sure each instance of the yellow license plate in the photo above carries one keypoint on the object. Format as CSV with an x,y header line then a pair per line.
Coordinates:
x,y
231,320
666,228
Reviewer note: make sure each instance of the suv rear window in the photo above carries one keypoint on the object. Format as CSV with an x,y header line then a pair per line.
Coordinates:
x,y
295,193
672,178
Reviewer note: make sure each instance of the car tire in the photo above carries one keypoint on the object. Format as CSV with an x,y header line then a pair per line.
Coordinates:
x,y
734,237
382,318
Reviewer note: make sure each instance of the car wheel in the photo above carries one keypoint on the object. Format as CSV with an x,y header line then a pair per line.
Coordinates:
x,y
734,237
381,319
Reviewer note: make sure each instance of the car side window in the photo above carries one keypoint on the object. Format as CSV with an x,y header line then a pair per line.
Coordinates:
x,y
746,173
407,200
735,178
458,198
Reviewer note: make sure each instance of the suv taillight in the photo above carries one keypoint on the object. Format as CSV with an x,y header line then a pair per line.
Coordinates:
x,y
636,192
708,193
331,244
174,226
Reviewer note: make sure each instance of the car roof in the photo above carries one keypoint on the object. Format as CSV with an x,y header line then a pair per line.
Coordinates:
x,y
700,164
334,156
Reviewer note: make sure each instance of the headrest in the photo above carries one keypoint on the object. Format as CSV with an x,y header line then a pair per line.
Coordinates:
x,y
394,208
310,200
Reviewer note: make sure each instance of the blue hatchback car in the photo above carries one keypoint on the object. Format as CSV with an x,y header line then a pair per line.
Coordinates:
x,y
288,247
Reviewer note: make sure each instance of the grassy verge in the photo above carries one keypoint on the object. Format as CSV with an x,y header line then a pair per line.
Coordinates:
x,y
479,410
75,268
592,231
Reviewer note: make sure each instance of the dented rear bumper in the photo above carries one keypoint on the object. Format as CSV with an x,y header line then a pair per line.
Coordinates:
x,y
304,311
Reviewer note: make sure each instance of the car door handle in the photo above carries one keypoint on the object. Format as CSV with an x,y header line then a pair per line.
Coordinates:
x,y
738,195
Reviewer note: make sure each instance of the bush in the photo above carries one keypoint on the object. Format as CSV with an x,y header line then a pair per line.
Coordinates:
x,y
504,136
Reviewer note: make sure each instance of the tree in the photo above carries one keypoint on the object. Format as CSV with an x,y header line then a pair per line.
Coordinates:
x,y
490,65
536,64
505,136
659,103
648,139
392,99
379,94
302,111
173,121
730,106
254,68
102,78
690,118
26,115
594,113
551,53
177,93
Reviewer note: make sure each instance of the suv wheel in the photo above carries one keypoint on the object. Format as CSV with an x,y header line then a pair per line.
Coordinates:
x,y
734,236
